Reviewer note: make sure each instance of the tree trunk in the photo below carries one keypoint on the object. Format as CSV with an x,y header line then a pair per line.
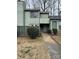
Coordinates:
x,y
44,7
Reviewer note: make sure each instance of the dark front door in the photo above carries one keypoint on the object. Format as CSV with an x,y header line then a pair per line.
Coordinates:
x,y
44,27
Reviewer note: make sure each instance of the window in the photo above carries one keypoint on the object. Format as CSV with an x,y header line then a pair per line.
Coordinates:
x,y
34,14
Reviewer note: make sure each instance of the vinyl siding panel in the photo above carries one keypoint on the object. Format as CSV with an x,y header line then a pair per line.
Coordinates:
x,y
44,19
20,13
29,21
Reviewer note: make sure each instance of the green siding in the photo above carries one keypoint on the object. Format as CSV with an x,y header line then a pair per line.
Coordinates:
x,y
20,13
44,19
30,21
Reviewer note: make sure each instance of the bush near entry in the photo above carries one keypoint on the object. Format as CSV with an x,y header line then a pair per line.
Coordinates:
x,y
55,31
33,32
49,31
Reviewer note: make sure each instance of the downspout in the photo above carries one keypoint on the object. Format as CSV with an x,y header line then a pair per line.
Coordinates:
x,y
24,24
39,24
24,18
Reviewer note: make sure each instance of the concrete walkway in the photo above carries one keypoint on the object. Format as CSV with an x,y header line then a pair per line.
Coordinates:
x,y
54,48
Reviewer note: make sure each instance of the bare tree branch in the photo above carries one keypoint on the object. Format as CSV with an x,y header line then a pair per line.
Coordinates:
x,y
52,6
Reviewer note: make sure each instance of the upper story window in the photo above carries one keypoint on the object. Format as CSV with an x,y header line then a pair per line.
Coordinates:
x,y
34,14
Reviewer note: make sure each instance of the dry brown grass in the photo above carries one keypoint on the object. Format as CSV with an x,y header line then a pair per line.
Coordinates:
x,y
31,48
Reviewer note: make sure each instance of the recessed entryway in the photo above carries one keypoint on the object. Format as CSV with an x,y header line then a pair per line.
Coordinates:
x,y
44,27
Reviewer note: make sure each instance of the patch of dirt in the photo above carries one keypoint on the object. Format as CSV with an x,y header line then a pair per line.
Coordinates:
x,y
32,48
47,38
57,38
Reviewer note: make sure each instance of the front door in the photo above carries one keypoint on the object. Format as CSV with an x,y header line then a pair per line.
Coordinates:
x,y
44,27
54,24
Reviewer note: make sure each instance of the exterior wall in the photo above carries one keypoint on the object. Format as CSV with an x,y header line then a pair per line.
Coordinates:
x,y
20,13
22,30
59,24
44,15
51,25
44,19
20,18
30,21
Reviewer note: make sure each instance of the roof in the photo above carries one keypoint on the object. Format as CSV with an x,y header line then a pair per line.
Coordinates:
x,y
44,13
55,17
32,10
20,1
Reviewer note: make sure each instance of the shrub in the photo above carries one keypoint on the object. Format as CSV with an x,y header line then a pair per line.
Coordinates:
x,y
33,32
55,31
49,31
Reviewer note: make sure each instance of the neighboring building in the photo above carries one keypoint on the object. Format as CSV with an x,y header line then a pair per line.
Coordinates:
x,y
34,17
